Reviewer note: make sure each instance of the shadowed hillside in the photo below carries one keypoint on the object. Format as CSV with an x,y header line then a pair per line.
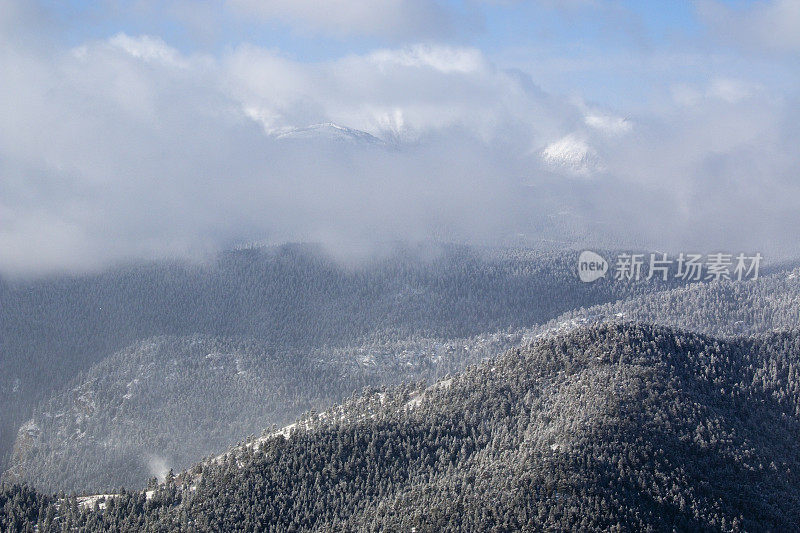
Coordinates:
x,y
622,427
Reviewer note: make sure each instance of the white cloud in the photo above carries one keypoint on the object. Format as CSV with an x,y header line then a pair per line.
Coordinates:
x,y
128,148
731,91
608,123
768,24
727,90
400,94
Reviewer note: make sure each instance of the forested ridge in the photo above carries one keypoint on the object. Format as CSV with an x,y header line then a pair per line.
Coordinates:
x,y
167,401
610,427
292,299
722,308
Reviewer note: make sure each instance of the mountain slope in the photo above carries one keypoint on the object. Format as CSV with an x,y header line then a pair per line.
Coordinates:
x,y
162,402
722,309
290,297
620,427
166,401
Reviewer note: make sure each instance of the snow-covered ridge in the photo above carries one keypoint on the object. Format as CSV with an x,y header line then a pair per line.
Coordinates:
x,y
328,131
573,156
371,406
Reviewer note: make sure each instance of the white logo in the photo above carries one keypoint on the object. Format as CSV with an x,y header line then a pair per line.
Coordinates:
x,y
591,266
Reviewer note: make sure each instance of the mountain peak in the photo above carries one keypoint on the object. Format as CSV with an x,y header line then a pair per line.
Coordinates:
x,y
329,131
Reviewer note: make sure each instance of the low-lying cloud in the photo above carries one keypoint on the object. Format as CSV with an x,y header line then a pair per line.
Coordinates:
x,y
126,148
772,26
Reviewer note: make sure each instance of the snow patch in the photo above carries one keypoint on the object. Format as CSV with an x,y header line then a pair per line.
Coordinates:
x,y
573,156
89,501
328,131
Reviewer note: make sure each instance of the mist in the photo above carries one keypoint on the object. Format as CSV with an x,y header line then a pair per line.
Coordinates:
x,y
126,148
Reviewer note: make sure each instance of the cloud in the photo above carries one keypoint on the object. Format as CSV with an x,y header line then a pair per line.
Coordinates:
x,y
402,94
608,123
769,25
126,148
727,90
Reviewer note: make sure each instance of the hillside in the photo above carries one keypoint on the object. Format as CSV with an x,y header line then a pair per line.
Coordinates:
x,y
122,422
622,427
164,402
723,309
292,297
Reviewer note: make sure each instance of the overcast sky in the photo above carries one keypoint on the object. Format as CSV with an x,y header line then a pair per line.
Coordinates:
x,y
145,129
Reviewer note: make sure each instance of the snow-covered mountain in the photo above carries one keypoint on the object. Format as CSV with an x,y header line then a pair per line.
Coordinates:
x,y
328,131
595,428
572,156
